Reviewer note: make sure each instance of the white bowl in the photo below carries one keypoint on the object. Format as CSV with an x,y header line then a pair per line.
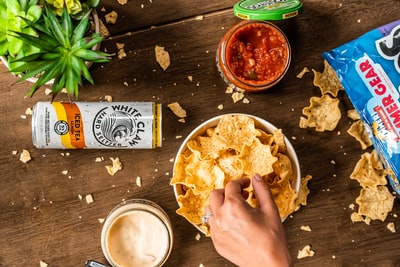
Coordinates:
x,y
259,123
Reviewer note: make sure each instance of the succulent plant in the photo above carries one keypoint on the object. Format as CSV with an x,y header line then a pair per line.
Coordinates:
x,y
63,50
76,8
13,15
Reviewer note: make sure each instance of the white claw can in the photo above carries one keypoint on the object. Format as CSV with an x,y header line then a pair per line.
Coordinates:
x,y
115,125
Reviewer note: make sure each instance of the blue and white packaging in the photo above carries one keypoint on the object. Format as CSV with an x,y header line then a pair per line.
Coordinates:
x,y
369,69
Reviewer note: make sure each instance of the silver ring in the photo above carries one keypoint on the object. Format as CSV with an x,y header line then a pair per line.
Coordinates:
x,y
206,217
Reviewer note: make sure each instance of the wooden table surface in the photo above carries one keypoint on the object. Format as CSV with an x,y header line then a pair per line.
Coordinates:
x,y
42,217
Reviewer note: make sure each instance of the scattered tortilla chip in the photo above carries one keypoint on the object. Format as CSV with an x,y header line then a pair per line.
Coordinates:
x,y
89,198
353,114
303,192
104,32
369,171
237,96
176,108
25,156
111,18
357,217
305,228
323,113
390,226
162,57
327,81
302,72
358,131
116,166
375,203
305,252
139,181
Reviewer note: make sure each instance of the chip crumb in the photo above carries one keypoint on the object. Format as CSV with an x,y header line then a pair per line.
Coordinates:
x,y
229,89
89,198
80,197
28,111
353,114
220,107
351,206
302,72
116,166
305,228
104,32
43,264
108,98
305,252
14,152
178,137
25,156
246,100
99,159
101,220
197,237
65,172
23,117
200,17
121,53
182,120
122,2
390,226
359,132
201,265
237,96
162,57
176,108
47,91
111,18
138,181
190,78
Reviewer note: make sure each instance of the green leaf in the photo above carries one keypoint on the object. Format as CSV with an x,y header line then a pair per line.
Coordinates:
x,y
55,27
67,26
89,44
51,72
34,12
81,29
35,69
28,58
92,3
91,55
33,40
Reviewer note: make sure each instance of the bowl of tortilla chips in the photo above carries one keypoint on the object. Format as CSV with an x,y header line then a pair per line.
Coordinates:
x,y
228,147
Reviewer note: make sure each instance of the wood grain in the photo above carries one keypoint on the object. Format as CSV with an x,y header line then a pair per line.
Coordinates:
x,y
41,214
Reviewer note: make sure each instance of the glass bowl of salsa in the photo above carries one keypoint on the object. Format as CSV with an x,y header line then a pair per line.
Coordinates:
x,y
253,55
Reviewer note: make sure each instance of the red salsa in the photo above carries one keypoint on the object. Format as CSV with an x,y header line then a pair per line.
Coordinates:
x,y
257,53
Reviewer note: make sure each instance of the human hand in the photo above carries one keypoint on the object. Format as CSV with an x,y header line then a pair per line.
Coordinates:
x,y
244,235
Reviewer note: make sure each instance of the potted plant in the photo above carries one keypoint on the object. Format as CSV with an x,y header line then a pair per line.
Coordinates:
x,y
61,47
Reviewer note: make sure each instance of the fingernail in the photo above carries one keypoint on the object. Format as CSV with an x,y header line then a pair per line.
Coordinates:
x,y
258,177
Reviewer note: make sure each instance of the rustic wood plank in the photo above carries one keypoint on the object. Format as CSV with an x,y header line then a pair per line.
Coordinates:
x,y
41,213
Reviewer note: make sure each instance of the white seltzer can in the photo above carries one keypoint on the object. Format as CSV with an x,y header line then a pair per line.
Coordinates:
x,y
115,125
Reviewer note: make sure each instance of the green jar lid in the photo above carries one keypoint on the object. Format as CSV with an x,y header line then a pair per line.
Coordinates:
x,y
267,9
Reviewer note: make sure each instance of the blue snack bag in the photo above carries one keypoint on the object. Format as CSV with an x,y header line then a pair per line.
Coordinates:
x,y
369,69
